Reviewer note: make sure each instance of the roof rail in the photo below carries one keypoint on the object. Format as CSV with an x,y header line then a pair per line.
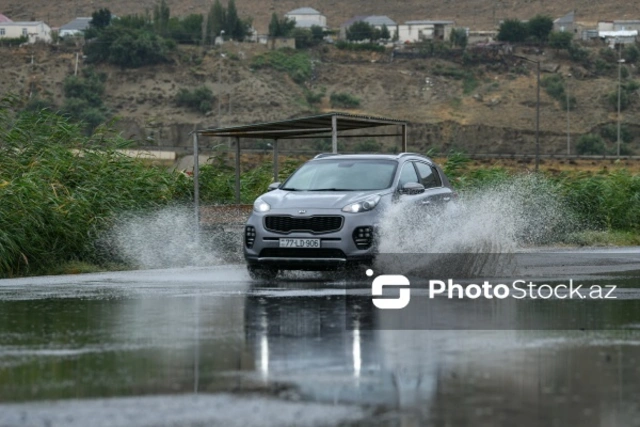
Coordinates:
x,y
321,155
408,154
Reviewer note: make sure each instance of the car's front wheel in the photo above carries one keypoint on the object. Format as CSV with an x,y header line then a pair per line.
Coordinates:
x,y
262,273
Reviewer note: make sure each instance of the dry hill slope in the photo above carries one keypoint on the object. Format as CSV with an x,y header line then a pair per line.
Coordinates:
x,y
477,14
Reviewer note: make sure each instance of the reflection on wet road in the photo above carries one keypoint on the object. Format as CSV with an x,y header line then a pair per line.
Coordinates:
x,y
206,330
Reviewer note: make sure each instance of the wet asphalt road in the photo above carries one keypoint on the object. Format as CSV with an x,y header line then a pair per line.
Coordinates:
x,y
207,346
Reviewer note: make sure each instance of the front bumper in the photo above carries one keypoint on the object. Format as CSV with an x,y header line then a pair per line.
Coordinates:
x,y
337,248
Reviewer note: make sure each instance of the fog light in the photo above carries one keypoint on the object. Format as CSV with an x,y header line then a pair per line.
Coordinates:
x,y
249,236
363,237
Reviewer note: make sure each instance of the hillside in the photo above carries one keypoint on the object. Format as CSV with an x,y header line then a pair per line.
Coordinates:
x,y
491,110
477,14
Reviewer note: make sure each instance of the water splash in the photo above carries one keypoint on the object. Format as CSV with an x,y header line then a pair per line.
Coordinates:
x,y
501,219
162,239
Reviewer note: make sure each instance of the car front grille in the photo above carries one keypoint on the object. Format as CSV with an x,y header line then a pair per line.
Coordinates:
x,y
302,253
313,224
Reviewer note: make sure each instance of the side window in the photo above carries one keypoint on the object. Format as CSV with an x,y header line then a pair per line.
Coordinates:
x,y
428,176
408,174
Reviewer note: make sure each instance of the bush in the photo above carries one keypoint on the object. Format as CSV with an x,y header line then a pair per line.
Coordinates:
x,y
578,54
539,27
631,54
83,101
17,41
513,30
55,212
296,64
590,145
560,40
344,100
625,100
127,47
360,31
304,38
199,99
89,87
610,133
314,97
554,86
373,47
459,37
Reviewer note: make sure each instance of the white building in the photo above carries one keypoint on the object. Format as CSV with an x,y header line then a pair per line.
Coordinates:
x,y
75,27
414,31
35,31
613,38
307,17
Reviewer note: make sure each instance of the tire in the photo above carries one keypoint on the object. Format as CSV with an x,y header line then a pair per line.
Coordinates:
x,y
262,273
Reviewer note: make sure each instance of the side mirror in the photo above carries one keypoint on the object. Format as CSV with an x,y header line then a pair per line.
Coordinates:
x,y
412,188
273,186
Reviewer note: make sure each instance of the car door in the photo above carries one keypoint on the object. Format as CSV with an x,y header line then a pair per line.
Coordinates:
x,y
435,191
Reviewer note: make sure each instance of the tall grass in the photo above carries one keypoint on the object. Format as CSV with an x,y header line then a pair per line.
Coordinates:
x,y
59,189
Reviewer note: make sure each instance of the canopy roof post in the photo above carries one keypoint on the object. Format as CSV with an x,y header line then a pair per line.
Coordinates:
x,y
334,134
275,160
237,170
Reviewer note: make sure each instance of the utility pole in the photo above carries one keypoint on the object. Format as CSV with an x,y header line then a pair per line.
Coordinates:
x,y
620,61
568,115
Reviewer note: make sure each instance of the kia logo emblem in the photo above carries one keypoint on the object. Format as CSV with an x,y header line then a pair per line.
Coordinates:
x,y
302,211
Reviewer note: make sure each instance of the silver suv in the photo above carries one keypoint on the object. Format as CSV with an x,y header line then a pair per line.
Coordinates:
x,y
324,216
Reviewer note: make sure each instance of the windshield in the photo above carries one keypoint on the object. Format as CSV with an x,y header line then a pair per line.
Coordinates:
x,y
343,175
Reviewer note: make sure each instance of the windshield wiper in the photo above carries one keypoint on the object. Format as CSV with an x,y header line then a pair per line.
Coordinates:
x,y
289,189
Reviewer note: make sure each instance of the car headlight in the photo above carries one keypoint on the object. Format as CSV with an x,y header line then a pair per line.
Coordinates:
x,y
261,206
362,206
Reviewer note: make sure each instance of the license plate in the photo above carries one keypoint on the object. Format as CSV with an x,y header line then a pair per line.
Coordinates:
x,y
299,243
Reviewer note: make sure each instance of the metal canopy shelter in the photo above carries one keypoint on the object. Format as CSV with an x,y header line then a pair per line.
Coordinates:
x,y
318,126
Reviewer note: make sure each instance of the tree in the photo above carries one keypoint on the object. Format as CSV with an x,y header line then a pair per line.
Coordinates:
x,y
281,28
459,37
304,38
513,30
384,32
100,19
631,53
161,16
560,40
216,21
539,27
359,31
317,32
234,27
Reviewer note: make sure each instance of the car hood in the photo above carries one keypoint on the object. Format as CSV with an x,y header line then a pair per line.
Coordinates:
x,y
281,199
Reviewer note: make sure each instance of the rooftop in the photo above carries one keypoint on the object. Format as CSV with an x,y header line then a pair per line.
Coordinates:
x,y
315,126
21,24
375,20
429,22
4,18
303,11
77,24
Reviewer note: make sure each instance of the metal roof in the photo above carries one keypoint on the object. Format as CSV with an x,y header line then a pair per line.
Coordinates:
x,y
303,11
318,125
378,20
22,24
429,22
78,24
